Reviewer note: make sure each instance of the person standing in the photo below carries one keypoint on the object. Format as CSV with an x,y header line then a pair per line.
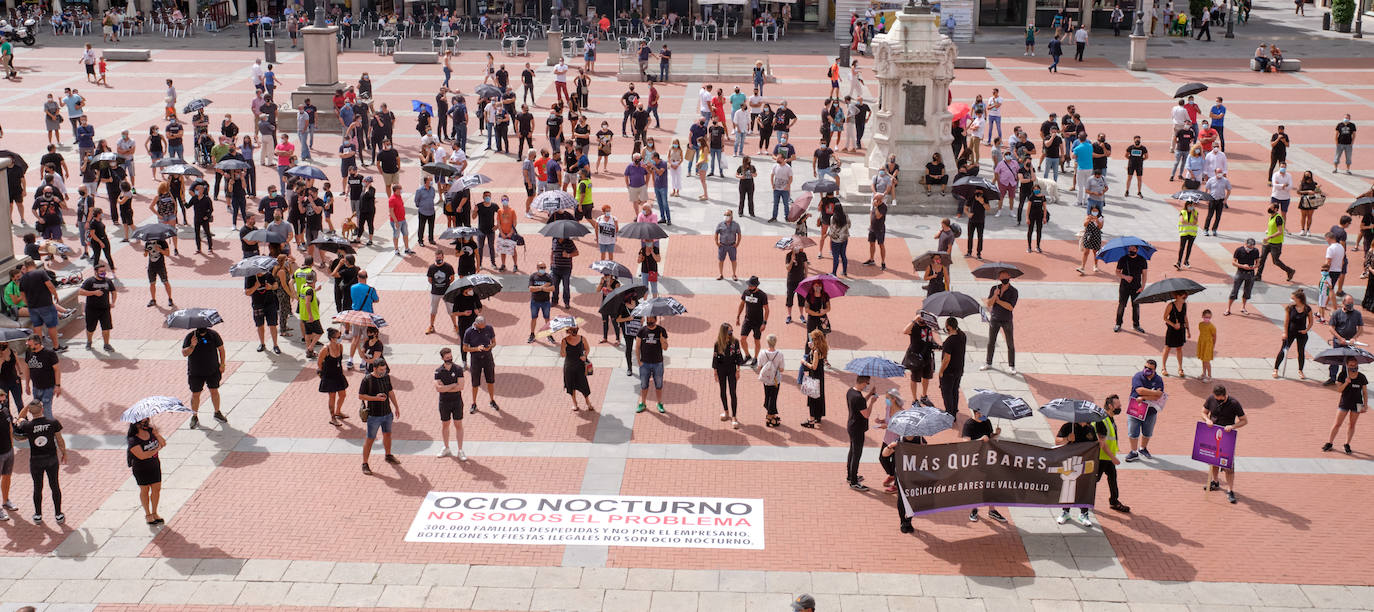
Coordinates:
x,y
753,307
576,367
1222,410
262,290
726,359
951,371
564,250
1219,187
653,340
1001,301
1136,155
979,428
204,352
448,382
333,382
1278,149
44,377
877,231
770,374
1345,142
41,296
478,341
6,446
1244,259
1297,322
157,253
781,179
1187,234
379,402
144,442
727,236
1354,401
100,296
1273,244
1176,331
1149,388
396,212
1347,325
977,211
440,275
424,207
1131,271
1080,42
47,452
859,400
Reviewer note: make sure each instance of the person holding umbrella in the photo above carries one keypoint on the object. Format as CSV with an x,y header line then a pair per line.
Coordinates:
x,y
1131,271
144,442
1354,401
726,358
204,353
1176,332
1347,324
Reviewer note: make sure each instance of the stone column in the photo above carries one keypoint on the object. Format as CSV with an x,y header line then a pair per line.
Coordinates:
x,y
320,43
1138,42
194,8
555,47
7,241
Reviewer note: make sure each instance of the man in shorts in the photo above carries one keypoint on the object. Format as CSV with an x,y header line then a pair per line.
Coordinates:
x,y
379,400
653,340
6,456
100,296
877,231
728,235
41,297
478,341
753,307
440,276
1223,411
204,353
1146,386
263,291
1136,155
157,253
448,381
541,297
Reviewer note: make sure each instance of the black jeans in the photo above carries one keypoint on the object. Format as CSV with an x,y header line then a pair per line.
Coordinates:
x,y
629,350
770,399
49,467
1003,326
1301,341
949,393
746,191
425,220
1214,209
607,324
520,141
202,224
726,380
1274,159
972,230
1109,469
859,133
1035,226
1275,250
1127,291
856,453
1185,249
96,250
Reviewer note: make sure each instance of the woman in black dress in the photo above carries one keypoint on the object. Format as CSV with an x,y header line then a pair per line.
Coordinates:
x,y
765,126
795,260
1176,332
725,360
333,382
817,307
144,443
937,276
813,364
573,349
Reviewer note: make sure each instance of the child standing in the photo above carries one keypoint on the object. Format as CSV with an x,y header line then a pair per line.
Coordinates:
x,y
101,68
1206,343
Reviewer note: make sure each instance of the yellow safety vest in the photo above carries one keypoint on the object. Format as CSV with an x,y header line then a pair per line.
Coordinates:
x,y
584,192
1106,455
299,278
1187,222
1275,227
308,307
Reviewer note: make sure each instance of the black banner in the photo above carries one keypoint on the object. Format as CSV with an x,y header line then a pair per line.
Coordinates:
x,y
937,477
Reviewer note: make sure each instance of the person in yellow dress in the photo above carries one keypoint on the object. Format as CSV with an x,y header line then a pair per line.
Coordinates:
x,y
1206,341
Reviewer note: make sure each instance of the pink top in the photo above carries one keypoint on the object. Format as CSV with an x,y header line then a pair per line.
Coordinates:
x,y
284,151
649,217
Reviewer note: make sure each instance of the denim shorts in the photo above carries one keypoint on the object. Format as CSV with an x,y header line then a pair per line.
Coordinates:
x,y
538,309
43,316
379,422
651,370
725,250
1145,428
606,248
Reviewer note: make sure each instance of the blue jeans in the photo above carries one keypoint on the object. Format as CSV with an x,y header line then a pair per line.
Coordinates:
x,y
448,73
460,135
824,172
652,285
1051,163
562,278
175,151
839,256
1179,158
1146,428
781,196
281,177
661,195
307,140
739,143
651,371
662,71
991,121
691,157
379,422
45,396
716,159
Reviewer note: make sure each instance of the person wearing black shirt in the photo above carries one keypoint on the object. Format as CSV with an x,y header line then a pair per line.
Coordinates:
x,y
47,451
952,365
1354,401
627,105
1131,270
367,211
859,399
795,260
97,239
1000,303
157,253
977,209
144,442
1136,154
478,341
524,130
1278,151
753,307
1345,141
1224,411
100,296
555,127
440,275
204,353
976,429
860,120
486,222
1245,259
1183,143
379,402
527,84
441,115
263,291
6,450
448,381
653,340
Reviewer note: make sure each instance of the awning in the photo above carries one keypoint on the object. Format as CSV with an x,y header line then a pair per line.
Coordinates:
x,y
734,2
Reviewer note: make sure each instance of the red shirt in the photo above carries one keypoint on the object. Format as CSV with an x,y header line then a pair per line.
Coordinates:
x,y
397,206
338,101
1206,138
1193,110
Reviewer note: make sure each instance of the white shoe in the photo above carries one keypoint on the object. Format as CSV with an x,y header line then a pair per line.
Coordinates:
x,y
1011,370
1062,518
9,505
999,213
462,456
984,367
445,452
1086,518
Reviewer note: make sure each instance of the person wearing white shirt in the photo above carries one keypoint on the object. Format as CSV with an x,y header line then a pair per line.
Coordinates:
x,y
1080,41
704,102
1180,116
491,122
974,129
856,83
258,74
1335,264
1216,162
1281,186
994,114
755,104
741,121
560,79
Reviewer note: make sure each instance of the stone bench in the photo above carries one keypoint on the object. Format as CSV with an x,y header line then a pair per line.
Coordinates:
x,y
416,57
971,62
127,55
1290,64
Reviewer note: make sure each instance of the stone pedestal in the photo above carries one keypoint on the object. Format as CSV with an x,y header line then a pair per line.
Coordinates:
x,y
321,79
1137,61
914,64
7,241
555,47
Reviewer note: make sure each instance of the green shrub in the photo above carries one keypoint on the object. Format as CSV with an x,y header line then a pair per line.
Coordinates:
x,y
1342,11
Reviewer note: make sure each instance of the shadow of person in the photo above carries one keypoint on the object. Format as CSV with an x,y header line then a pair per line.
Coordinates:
x,y
517,385
474,469
406,483
182,554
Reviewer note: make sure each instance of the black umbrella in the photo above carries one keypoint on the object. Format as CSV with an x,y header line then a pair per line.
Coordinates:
x,y
992,270
193,318
1073,411
610,305
333,243
195,105
456,233
154,231
923,261
1338,355
252,266
265,235
1193,195
440,169
1163,291
968,185
1189,89
613,268
639,230
1360,207
18,162
564,228
472,180
823,185
487,91
483,286
232,164
659,307
183,170
107,158
168,162
951,304
998,405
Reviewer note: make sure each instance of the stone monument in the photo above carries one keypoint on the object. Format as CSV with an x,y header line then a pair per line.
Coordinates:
x,y
1138,41
320,42
914,64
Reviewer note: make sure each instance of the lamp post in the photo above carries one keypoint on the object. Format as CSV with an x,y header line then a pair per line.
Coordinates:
x,y
1359,18
1230,19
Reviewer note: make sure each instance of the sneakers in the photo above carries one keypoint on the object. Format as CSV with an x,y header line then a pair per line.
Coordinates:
x,y
62,518
660,408
9,505
1145,452
462,456
907,528
367,470
530,340
1326,447
858,486
984,367
640,408
1212,486
473,408
4,516
997,516
1347,449
1085,518
973,515
1116,329
445,452
1230,497
195,422
1132,456
37,518
1011,370
1063,517
219,416
495,407
392,459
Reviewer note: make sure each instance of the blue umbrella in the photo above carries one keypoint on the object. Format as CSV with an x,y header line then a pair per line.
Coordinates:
x,y
150,406
920,420
876,367
1116,249
309,172
417,106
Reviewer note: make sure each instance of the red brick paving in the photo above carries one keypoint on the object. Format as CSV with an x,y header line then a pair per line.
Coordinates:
x,y
88,478
945,543
1061,259
85,380
185,608
320,507
1092,325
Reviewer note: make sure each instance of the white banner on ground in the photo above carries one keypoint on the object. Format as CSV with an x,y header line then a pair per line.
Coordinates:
x,y
601,520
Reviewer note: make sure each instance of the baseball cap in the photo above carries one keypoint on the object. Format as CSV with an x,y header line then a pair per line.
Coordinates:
x,y
803,602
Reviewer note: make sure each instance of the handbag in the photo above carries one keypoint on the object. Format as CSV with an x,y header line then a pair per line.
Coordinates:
x,y
811,386
653,277
590,369
825,324
362,411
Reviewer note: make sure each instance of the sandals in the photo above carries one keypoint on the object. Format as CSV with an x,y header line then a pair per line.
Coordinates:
x,y
149,519
809,424
335,421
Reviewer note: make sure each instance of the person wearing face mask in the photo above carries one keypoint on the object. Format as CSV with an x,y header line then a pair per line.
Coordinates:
x,y
1354,401
440,275
486,223
1187,234
1001,302
727,237
976,429
1273,244
448,382
1347,324
1281,188
1104,433
100,297
1146,387
1136,155
1131,271
859,400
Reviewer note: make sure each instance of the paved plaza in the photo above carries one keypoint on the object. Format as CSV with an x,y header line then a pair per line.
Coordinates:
x,y
269,511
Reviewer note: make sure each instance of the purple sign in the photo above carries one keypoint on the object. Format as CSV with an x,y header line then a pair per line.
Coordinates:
x,y
1214,445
